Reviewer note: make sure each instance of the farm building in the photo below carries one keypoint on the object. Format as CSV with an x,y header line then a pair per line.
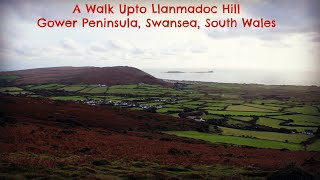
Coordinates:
x,y
307,132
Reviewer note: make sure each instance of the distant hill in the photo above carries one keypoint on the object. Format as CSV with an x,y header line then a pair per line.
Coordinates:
x,y
119,75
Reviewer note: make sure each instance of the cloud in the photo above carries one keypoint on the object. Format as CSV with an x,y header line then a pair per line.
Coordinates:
x,y
33,9
98,47
69,43
120,44
316,38
26,52
292,17
137,51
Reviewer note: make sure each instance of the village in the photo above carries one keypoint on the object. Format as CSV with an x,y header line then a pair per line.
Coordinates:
x,y
192,115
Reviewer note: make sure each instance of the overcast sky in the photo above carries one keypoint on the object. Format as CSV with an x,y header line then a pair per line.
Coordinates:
x,y
293,45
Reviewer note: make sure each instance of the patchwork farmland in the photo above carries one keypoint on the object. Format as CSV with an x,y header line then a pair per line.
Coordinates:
x,y
286,121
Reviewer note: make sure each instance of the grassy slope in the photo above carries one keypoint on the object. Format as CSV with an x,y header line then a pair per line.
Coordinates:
x,y
240,141
247,108
274,123
301,119
273,136
305,110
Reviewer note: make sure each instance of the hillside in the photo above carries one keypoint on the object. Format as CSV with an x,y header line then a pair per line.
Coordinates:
x,y
42,138
119,75
79,115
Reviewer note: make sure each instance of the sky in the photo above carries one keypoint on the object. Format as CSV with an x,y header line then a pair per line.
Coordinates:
x,y
291,46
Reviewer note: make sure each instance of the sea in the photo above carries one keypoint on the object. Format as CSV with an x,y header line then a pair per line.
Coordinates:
x,y
267,77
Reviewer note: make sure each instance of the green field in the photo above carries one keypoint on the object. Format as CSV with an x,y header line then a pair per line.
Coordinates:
x,y
274,123
302,120
68,98
131,91
230,96
187,101
14,91
73,88
208,116
229,102
87,89
221,105
198,103
46,87
269,101
243,113
10,89
154,103
190,106
165,110
247,108
98,90
132,86
149,90
272,108
305,110
243,118
237,123
212,108
239,141
277,105
274,136
194,95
